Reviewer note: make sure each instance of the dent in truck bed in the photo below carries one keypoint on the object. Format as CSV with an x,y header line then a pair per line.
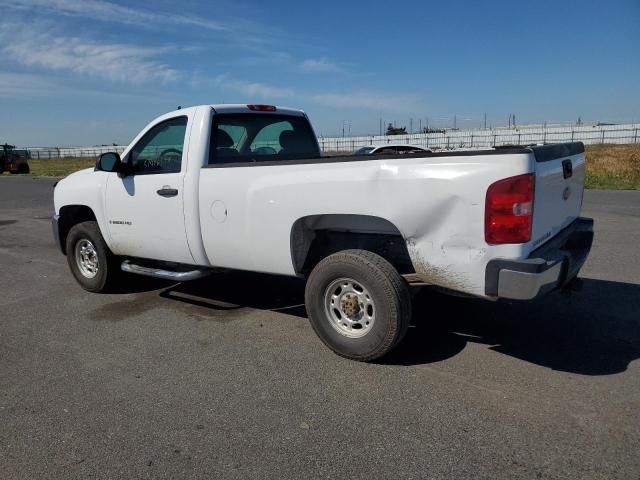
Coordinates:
x,y
443,276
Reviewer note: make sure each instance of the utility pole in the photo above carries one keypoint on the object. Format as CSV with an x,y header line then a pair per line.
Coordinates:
x,y
455,121
410,125
380,126
485,120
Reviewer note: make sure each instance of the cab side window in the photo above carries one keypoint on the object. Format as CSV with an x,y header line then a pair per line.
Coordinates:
x,y
160,149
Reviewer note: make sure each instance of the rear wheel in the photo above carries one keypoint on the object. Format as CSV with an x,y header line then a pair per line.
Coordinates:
x,y
358,304
93,265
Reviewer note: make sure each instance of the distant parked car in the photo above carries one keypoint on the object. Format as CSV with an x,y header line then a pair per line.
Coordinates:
x,y
14,161
390,148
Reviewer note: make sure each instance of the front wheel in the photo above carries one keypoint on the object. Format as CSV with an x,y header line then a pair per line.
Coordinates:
x,y
90,260
358,304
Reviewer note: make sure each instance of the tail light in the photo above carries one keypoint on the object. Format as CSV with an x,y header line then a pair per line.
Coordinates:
x,y
508,213
262,108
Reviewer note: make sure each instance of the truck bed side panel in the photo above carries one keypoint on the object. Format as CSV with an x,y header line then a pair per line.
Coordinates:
x,y
436,203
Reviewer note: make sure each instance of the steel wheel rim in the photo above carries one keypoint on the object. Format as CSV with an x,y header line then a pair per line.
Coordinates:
x,y
349,307
86,258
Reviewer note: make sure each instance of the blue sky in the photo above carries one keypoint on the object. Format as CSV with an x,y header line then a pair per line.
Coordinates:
x,y
84,72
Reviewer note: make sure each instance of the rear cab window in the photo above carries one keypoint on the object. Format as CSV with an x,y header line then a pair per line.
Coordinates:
x,y
250,137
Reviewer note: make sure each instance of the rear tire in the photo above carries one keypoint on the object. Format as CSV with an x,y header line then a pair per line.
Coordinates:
x,y
358,304
91,262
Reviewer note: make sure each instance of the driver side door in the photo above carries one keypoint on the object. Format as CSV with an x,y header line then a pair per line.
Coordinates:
x,y
144,210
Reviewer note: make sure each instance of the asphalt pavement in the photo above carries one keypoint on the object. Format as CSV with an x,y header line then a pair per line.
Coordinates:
x,y
224,377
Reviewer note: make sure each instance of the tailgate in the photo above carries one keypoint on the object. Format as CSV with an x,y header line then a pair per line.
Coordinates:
x,y
560,172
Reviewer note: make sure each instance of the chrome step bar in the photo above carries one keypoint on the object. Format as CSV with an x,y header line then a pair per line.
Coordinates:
x,y
129,267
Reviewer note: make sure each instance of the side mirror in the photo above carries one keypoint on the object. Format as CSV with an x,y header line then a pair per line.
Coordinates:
x,y
108,162
111,162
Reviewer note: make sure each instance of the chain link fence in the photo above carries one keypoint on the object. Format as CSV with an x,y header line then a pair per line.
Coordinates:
x,y
449,139
487,138
71,152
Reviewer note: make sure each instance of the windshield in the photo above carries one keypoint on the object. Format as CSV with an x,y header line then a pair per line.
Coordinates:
x,y
252,138
363,151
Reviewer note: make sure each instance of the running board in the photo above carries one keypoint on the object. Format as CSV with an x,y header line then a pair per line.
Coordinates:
x,y
129,267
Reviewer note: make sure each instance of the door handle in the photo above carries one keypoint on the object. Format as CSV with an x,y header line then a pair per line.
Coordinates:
x,y
167,192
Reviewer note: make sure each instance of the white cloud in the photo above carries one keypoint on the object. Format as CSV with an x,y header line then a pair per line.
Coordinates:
x,y
21,84
230,32
108,11
26,85
246,88
376,101
261,90
319,65
116,62
379,101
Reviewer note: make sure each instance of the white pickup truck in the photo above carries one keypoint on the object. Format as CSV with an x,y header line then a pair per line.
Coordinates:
x,y
245,187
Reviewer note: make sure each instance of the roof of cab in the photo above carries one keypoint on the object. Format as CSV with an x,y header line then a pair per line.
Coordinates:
x,y
242,108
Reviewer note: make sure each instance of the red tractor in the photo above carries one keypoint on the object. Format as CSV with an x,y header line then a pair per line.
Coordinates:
x,y
14,161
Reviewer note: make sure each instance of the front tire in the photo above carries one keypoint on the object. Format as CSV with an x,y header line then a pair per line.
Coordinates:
x,y
91,262
358,304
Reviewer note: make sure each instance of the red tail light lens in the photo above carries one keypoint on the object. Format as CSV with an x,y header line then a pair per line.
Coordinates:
x,y
508,213
262,108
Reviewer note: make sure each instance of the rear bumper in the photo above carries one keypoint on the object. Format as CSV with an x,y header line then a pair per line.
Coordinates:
x,y
550,267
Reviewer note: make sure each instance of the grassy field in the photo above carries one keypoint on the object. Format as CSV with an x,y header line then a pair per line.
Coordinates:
x,y
608,166
59,167
613,166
